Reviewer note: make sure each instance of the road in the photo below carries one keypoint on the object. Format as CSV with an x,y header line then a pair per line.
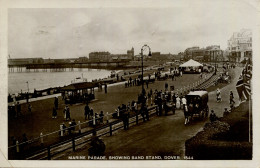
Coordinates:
x,y
161,136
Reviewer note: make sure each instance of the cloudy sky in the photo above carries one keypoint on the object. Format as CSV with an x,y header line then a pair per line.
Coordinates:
x,y
75,32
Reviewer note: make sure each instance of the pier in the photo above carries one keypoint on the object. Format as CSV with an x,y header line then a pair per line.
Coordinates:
x,y
63,66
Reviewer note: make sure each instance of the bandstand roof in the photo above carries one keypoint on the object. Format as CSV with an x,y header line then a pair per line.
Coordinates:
x,y
79,86
191,63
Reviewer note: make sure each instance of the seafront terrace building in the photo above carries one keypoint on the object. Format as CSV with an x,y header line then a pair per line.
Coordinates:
x,y
240,45
209,54
213,53
106,56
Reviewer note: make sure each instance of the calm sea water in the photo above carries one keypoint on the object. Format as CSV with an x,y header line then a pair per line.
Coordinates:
x,y
17,81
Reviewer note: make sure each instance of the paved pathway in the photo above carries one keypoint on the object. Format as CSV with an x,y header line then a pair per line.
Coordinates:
x,y
40,119
161,136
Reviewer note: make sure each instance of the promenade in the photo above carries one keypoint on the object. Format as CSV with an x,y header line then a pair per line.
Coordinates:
x,y
161,136
40,120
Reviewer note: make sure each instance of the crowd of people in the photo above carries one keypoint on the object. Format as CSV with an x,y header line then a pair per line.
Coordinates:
x,y
166,101
15,110
94,118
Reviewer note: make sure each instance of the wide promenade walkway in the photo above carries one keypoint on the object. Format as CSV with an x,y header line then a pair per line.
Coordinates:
x,y
40,120
161,136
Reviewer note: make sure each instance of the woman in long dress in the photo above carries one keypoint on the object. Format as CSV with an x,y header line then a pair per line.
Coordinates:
x,y
218,95
64,112
178,102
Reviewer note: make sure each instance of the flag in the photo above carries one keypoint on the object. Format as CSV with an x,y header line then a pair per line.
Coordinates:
x,y
247,90
243,83
240,89
248,73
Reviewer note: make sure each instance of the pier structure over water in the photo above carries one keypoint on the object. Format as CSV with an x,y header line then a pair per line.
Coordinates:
x,y
64,66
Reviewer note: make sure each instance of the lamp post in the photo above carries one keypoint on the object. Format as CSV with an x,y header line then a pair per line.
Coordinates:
x,y
27,96
142,55
27,86
215,62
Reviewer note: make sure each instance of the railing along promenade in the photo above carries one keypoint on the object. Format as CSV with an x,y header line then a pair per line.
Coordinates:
x,y
80,138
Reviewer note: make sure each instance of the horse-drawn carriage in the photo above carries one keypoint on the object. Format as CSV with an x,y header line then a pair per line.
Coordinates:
x,y
197,105
224,78
162,76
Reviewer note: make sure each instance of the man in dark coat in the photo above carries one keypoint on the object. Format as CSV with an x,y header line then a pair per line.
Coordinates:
x,y
125,118
146,113
68,114
54,113
87,111
106,88
101,116
212,116
56,102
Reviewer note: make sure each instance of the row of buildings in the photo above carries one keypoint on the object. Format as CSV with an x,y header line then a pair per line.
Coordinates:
x,y
108,57
207,54
239,48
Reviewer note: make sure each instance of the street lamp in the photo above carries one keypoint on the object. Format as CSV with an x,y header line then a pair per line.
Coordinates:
x,y
215,63
27,86
142,55
27,95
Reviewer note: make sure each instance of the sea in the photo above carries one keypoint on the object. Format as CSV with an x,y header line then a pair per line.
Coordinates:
x,y
22,81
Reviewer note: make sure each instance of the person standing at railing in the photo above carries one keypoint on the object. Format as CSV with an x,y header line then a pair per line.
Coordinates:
x,y
159,100
68,114
91,113
101,116
64,112
56,102
54,112
86,111
146,112
63,129
72,125
125,118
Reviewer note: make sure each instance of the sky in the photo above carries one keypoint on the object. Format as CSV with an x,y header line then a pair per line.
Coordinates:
x,y
75,32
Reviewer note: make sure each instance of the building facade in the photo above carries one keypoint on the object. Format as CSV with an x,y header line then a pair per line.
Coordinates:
x,y
99,56
131,53
107,57
208,54
240,45
191,52
158,56
213,53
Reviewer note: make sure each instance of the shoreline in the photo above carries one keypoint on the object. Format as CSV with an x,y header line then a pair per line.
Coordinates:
x,y
125,73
